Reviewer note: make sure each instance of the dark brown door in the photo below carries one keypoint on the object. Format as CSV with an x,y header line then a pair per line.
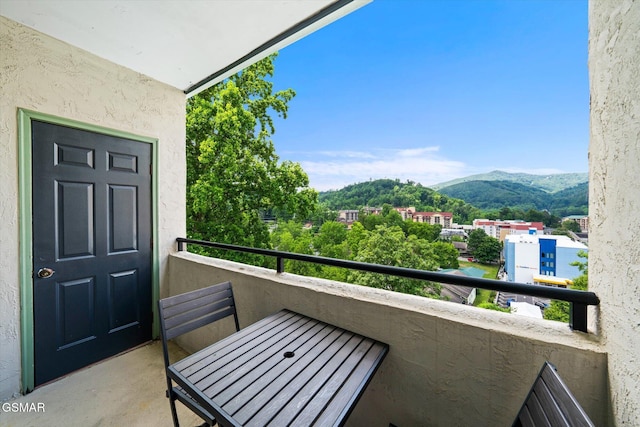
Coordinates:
x,y
91,247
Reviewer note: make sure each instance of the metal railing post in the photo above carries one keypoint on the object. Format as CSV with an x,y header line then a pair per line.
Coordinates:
x,y
578,316
280,264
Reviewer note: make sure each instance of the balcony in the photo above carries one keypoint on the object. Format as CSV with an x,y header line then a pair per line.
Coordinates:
x,y
449,364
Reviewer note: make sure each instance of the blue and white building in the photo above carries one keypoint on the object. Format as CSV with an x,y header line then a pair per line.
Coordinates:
x,y
528,256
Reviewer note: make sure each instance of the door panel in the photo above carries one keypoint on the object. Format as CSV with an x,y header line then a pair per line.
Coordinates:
x,y
92,227
123,233
75,228
75,309
124,301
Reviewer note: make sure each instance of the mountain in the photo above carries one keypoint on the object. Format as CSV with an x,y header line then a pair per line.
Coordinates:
x,y
466,199
548,183
376,193
495,195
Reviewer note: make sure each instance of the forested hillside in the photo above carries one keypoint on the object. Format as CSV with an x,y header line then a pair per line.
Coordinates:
x,y
498,194
549,183
572,201
506,200
388,191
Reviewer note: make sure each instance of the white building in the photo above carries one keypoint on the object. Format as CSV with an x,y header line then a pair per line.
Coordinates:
x,y
530,255
499,229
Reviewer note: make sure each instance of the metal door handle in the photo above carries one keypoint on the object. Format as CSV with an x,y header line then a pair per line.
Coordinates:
x,y
43,273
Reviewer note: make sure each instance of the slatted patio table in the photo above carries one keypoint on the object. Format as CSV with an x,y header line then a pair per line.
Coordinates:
x,y
286,369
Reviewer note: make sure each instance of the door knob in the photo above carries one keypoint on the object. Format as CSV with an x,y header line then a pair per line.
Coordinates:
x,y
43,273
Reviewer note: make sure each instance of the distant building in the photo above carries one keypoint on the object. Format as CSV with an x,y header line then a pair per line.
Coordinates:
x,y
500,229
458,293
448,233
462,247
348,216
506,299
445,219
526,309
529,255
582,220
371,211
406,213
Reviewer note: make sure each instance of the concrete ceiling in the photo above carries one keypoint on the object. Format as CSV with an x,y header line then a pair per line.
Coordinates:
x,y
188,44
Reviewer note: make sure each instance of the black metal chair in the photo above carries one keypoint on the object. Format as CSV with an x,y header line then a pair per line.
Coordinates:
x,y
551,403
184,313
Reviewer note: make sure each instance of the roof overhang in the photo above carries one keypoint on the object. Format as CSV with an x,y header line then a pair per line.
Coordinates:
x,y
190,45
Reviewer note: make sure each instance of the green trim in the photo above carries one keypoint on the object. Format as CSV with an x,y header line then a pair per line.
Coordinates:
x,y
25,215
25,250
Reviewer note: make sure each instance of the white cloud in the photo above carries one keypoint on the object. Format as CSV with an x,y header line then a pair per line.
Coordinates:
x,y
417,151
349,154
334,170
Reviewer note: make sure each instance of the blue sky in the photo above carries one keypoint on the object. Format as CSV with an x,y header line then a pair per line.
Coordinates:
x,y
429,91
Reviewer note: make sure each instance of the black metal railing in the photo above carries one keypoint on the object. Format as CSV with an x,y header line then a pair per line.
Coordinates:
x,y
578,300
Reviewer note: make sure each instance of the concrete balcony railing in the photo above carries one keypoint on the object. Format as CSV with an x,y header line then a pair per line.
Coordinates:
x,y
448,364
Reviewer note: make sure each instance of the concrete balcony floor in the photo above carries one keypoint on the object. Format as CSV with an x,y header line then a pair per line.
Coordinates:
x,y
126,390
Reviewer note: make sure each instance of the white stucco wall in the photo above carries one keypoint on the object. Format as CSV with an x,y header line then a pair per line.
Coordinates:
x,y
45,75
448,364
614,194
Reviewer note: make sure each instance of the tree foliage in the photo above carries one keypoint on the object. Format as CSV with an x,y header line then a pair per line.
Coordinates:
x,y
389,246
331,240
422,230
492,195
446,255
377,193
571,226
483,247
476,237
559,310
233,172
493,306
488,251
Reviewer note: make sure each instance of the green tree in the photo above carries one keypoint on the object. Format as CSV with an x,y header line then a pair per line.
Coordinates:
x,y
583,266
320,215
559,310
422,230
292,228
291,237
488,251
233,172
371,221
446,254
571,226
331,240
393,218
389,246
476,237
492,306
355,236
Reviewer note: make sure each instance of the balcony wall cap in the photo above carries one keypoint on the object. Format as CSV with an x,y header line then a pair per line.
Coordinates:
x,y
530,328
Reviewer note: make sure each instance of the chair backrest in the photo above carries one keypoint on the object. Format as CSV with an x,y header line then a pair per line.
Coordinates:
x,y
551,403
183,313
